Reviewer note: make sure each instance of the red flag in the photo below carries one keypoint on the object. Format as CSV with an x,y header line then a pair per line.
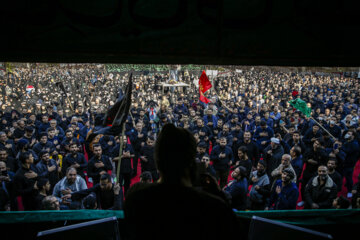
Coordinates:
x,y
204,85
203,98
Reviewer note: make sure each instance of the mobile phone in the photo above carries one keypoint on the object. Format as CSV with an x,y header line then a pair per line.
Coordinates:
x,y
336,146
281,121
4,173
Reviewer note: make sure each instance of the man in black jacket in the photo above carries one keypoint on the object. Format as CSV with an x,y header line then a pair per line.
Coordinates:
x,y
147,158
313,158
98,164
75,159
137,139
108,195
321,190
222,157
25,182
125,168
150,207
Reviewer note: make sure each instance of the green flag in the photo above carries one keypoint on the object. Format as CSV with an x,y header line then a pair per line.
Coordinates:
x,y
301,106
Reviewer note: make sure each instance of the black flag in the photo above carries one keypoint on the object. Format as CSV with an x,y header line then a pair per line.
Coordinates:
x,y
61,86
117,114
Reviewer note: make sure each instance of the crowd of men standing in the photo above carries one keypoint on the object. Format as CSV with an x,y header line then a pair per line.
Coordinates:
x,y
248,133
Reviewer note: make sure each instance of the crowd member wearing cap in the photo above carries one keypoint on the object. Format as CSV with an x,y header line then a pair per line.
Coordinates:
x,y
238,188
260,189
284,192
273,154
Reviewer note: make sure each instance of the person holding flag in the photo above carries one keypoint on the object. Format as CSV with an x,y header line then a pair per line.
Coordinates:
x,y
204,85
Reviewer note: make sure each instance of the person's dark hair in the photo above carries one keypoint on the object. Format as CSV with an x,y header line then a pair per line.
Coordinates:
x,y
289,173
71,144
50,129
42,153
243,172
146,176
106,176
68,131
24,156
42,182
343,202
89,201
297,150
262,162
175,152
96,145
243,149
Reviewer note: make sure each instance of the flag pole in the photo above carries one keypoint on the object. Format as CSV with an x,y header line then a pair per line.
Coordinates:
x,y
120,154
323,128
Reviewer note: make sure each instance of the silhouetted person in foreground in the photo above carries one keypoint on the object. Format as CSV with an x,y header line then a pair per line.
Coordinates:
x,y
173,208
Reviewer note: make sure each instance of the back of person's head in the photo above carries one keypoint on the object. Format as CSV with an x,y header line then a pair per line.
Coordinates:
x,y
105,176
89,201
50,203
146,176
24,156
42,182
175,152
342,202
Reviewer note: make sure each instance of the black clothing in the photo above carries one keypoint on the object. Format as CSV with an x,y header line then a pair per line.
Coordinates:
x,y
94,172
24,187
198,214
106,200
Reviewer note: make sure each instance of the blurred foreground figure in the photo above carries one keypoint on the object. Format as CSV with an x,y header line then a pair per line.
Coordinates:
x,y
173,208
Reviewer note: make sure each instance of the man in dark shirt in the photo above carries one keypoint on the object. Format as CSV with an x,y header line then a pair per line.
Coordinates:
x,y
25,182
147,158
76,160
333,174
47,168
222,157
138,139
108,195
10,161
20,130
98,164
175,158
43,145
125,168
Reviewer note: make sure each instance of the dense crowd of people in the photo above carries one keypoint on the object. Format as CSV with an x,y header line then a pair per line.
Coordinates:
x,y
254,150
